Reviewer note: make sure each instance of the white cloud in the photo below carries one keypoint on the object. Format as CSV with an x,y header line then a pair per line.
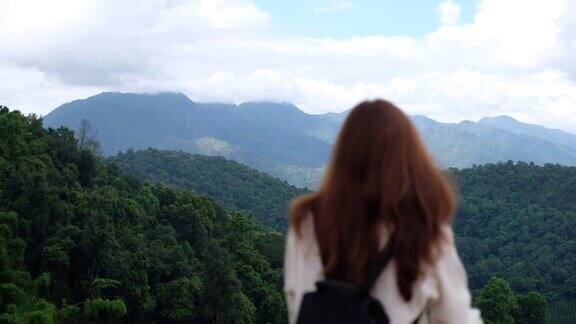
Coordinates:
x,y
449,12
221,14
515,57
33,91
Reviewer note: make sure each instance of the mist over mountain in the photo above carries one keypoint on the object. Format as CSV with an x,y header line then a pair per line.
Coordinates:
x,y
280,139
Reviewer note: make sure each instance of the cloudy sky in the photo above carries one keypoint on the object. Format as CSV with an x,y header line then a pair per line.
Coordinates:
x,y
450,60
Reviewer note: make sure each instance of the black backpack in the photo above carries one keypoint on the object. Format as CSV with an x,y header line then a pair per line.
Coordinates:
x,y
337,302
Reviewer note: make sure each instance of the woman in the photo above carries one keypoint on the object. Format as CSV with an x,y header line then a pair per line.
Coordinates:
x,y
381,189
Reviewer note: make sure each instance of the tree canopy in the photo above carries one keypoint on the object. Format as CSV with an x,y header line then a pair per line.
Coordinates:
x,y
235,185
81,243
499,304
518,221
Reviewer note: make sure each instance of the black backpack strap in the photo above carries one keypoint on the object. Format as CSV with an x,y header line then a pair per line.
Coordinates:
x,y
374,269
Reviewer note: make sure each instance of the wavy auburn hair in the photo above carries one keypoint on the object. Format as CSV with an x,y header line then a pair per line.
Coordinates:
x,y
380,174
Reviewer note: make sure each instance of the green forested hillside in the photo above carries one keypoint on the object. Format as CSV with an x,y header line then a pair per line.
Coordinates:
x,y
79,243
518,221
232,183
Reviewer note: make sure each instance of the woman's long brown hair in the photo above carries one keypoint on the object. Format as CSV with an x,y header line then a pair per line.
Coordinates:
x,y
380,174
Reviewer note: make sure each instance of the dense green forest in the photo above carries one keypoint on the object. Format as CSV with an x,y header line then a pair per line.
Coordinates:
x,y
518,221
81,243
499,304
235,185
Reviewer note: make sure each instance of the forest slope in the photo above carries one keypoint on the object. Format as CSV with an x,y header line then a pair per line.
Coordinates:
x,y
518,221
234,184
81,244
515,220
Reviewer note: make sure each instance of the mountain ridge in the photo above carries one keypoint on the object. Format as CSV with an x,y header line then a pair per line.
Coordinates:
x,y
558,136
283,140
172,121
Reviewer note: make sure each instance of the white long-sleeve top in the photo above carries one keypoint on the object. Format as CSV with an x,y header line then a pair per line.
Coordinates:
x,y
441,294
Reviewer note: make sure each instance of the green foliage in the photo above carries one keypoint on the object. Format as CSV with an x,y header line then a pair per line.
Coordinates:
x,y
561,313
104,310
69,314
497,302
235,185
103,286
223,291
80,243
178,299
87,168
531,308
517,221
19,302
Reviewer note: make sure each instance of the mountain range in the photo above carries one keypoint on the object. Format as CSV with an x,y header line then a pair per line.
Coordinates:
x,y
280,139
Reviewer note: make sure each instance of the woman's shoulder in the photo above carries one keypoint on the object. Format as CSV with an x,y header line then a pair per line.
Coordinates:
x,y
447,262
305,231
453,301
303,238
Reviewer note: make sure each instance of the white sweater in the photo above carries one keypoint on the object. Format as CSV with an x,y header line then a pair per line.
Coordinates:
x,y
442,291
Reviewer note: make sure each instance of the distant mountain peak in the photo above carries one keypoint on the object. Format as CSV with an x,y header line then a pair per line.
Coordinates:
x,y
566,140
422,118
163,96
466,122
267,102
151,94
271,105
505,120
499,118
